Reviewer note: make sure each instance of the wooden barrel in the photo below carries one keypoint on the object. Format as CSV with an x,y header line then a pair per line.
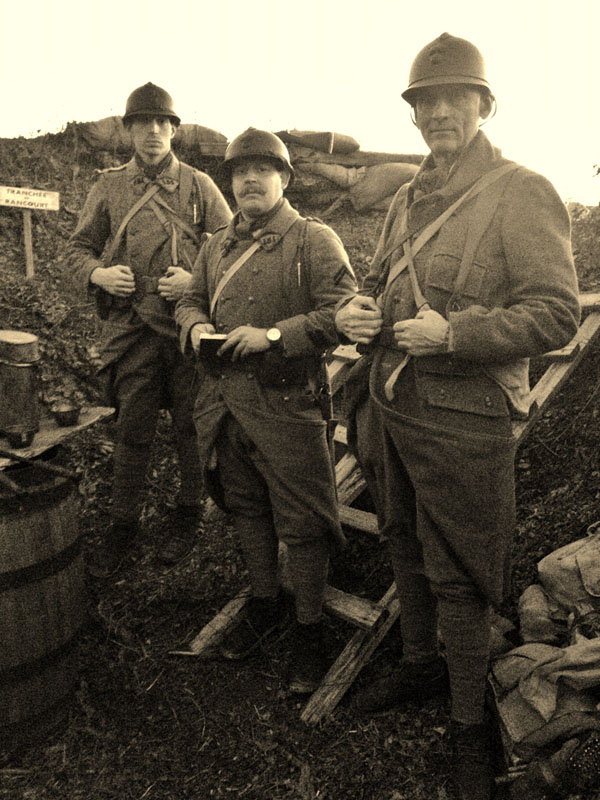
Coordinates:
x,y
42,601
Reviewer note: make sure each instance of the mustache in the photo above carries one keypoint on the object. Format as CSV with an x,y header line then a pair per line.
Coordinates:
x,y
251,189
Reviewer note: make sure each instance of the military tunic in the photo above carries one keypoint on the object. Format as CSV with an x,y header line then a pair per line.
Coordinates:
x,y
142,367
293,283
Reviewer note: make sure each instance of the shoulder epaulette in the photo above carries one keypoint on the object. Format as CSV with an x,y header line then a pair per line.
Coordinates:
x,y
98,172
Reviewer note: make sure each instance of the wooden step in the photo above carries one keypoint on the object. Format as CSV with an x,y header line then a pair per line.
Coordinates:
x,y
349,663
349,480
564,354
556,375
358,519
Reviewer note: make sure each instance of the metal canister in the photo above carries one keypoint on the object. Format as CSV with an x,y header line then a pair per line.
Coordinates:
x,y
19,387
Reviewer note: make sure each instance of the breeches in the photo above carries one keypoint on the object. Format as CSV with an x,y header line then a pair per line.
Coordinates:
x,y
444,498
296,488
152,374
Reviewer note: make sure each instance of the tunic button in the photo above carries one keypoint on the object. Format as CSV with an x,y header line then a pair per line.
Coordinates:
x,y
487,400
250,376
250,299
255,270
286,397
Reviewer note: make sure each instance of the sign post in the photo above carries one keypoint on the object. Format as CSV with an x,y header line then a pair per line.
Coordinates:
x,y
28,200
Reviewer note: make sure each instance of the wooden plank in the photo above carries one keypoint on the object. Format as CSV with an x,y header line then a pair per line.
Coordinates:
x,y
50,434
565,354
356,518
349,663
340,434
212,633
556,375
29,268
359,611
590,301
343,358
349,480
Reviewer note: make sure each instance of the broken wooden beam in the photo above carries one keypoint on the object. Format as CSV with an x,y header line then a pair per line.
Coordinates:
x,y
556,375
212,633
349,663
358,519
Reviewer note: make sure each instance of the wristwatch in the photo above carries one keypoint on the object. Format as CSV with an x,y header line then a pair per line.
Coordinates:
x,y
274,336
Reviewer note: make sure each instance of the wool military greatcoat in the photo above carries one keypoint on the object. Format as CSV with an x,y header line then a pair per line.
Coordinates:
x,y
292,282
439,454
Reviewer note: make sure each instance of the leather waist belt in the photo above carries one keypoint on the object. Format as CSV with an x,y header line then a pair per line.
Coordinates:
x,y
146,284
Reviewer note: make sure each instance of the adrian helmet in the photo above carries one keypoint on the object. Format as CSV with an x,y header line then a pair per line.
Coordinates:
x,y
256,143
446,60
150,100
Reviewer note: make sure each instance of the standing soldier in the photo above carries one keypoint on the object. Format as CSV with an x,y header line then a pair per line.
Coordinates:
x,y
269,282
473,274
134,248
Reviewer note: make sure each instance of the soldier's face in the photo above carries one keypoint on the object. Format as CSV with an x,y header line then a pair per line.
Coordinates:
x,y
257,185
151,137
448,118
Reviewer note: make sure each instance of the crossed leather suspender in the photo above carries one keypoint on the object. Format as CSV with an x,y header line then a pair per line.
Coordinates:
x,y
486,207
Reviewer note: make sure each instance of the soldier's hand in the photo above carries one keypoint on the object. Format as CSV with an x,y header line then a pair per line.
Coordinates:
x,y
196,333
173,283
118,280
245,340
425,335
360,319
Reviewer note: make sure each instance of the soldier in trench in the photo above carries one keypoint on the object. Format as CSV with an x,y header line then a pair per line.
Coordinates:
x,y
473,274
133,250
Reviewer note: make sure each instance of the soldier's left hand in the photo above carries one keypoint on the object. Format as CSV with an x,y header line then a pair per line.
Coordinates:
x,y
173,283
425,335
245,340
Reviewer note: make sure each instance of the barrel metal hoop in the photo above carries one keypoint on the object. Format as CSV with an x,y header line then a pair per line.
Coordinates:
x,y
42,569
29,669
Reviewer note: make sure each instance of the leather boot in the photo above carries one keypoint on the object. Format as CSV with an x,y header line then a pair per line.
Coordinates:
x,y
471,760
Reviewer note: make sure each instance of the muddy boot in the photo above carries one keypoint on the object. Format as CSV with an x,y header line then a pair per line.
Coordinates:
x,y
471,770
308,664
263,616
113,549
182,534
406,683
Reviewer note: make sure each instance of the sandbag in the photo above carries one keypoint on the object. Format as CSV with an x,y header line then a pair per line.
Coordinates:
x,y
205,141
571,574
379,182
325,141
341,176
110,134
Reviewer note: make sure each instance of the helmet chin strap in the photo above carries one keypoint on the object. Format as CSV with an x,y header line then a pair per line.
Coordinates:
x,y
483,122
492,113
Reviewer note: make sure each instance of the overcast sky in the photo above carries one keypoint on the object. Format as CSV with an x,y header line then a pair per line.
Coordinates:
x,y
330,65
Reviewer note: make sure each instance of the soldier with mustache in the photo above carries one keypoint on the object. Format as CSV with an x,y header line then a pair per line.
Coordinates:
x,y
133,250
268,283
473,275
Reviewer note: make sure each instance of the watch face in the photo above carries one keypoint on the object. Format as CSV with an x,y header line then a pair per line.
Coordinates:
x,y
273,334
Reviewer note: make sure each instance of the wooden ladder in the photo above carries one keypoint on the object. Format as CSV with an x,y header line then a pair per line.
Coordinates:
x,y
374,619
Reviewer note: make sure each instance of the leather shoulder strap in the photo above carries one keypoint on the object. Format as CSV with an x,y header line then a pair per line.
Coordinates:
x,y
231,272
486,180
241,261
109,255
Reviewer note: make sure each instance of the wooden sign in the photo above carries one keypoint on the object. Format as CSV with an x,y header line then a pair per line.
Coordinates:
x,y
28,200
